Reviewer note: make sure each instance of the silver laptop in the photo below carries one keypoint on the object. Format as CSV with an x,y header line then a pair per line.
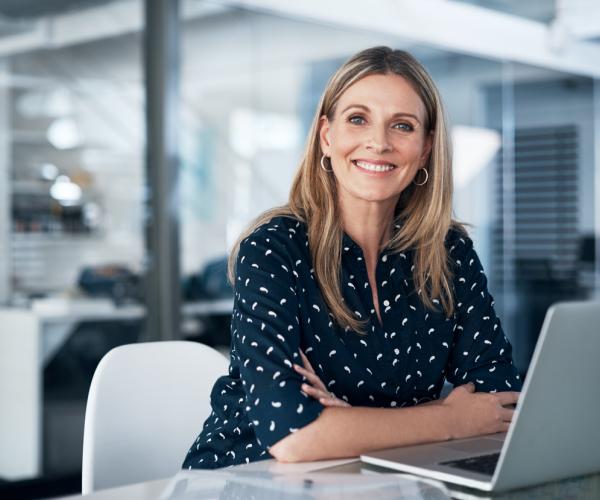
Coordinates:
x,y
555,432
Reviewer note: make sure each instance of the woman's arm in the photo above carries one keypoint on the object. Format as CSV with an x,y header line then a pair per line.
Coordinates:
x,y
349,432
266,336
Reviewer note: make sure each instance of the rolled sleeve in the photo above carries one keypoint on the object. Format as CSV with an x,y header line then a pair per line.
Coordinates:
x,y
481,352
266,339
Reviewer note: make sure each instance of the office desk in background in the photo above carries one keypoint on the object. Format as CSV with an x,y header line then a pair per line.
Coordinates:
x,y
29,339
256,483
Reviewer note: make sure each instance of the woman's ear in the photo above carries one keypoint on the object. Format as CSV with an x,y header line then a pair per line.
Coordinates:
x,y
324,132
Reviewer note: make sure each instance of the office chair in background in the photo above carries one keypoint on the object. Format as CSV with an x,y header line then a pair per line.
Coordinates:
x,y
147,403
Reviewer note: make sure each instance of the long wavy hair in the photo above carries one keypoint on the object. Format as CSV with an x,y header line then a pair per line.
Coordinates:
x,y
423,214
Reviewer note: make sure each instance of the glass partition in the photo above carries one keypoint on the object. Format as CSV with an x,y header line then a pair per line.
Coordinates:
x,y
250,85
72,185
544,236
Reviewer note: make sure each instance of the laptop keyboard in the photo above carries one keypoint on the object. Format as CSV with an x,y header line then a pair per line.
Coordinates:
x,y
484,464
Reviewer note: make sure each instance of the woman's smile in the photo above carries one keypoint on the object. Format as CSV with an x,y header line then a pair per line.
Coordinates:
x,y
377,168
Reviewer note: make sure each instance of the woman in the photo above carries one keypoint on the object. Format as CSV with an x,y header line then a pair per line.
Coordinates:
x,y
356,300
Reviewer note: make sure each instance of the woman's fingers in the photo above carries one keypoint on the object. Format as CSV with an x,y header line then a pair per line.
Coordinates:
x,y
306,362
304,371
326,398
311,377
507,397
469,387
334,402
317,389
315,393
507,414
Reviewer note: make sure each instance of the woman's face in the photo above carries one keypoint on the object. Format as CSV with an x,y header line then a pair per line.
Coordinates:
x,y
376,141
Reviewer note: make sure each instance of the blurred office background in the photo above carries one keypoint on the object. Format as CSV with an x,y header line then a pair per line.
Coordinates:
x,y
521,84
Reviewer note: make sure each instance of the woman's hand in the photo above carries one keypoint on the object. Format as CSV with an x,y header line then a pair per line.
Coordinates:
x,y
315,388
474,414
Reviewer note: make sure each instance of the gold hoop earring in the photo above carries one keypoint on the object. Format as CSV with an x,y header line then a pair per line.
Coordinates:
x,y
323,164
426,178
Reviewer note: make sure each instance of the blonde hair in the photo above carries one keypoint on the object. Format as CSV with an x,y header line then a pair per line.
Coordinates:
x,y
423,214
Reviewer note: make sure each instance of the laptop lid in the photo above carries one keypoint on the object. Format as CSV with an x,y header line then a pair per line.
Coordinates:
x,y
556,433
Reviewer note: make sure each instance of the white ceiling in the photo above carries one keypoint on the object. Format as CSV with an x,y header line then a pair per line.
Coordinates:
x,y
562,35
536,10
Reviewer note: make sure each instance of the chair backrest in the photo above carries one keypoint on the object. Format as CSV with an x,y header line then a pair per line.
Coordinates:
x,y
147,403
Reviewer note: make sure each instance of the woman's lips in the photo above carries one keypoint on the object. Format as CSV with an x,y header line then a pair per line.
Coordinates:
x,y
374,167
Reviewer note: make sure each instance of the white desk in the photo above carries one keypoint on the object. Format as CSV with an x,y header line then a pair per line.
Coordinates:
x,y
583,488
28,339
269,479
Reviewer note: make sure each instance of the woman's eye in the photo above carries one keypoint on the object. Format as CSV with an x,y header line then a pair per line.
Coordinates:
x,y
356,120
406,127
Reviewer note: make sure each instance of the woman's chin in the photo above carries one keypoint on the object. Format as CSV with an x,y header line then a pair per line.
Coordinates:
x,y
376,196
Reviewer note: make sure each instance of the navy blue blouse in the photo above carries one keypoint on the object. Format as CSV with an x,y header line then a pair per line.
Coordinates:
x,y
402,361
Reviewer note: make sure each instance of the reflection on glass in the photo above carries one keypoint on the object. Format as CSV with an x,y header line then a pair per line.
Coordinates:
x,y
255,484
474,149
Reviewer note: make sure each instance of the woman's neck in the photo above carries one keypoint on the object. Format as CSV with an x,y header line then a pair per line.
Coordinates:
x,y
368,223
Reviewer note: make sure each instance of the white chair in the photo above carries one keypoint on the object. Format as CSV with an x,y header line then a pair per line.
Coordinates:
x,y
146,405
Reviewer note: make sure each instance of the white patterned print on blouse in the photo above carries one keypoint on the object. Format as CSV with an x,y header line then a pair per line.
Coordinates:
x,y
402,361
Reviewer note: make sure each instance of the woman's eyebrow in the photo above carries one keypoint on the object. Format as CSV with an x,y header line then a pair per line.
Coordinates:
x,y
410,115
395,115
360,106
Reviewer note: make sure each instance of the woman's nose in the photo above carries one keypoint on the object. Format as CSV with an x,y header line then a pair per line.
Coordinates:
x,y
378,140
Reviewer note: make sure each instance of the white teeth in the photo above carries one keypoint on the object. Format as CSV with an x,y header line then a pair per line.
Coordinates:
x,y
374,168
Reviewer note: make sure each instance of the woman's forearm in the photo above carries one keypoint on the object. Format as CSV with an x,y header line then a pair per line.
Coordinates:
x,y
349,432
